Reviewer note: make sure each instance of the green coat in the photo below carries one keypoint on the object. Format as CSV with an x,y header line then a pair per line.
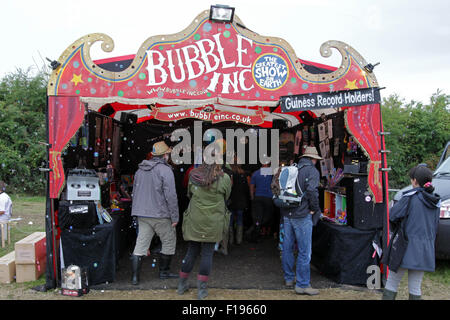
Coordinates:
x,y
203,221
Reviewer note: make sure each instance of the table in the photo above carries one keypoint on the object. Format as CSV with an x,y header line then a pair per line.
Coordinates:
x,y
93,249
343,253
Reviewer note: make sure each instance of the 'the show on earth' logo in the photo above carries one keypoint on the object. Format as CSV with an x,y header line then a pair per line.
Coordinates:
x,y
270,71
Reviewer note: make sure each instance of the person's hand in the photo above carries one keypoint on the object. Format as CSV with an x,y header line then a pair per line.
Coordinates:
x,y
174,224
311,212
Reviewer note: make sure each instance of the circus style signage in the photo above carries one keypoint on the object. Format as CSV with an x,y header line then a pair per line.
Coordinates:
x,y
324,100
208,62
208,113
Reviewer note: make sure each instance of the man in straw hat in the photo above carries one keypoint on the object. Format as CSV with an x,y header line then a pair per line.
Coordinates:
x,y
155,204
298,223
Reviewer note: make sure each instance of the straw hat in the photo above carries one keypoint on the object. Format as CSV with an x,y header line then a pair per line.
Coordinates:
x,y
160,148
311,152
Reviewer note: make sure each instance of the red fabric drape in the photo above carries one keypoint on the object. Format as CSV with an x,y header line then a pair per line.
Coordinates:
x,y
65,115
364,124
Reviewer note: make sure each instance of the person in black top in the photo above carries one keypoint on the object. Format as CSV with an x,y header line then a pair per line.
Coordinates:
x,y
238,203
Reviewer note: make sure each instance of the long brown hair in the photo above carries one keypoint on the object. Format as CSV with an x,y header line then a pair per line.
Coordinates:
x,y
206,174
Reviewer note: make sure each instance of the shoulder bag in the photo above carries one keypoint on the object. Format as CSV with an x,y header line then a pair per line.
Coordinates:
x,y
398,242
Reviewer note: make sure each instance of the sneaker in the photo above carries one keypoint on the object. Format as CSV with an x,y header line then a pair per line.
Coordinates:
x,y
309,291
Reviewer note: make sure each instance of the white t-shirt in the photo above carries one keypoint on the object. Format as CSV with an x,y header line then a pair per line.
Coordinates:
x,y
5,205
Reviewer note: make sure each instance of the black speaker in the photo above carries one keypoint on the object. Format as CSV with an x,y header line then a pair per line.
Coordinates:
x,y
128,118
361,213
279,124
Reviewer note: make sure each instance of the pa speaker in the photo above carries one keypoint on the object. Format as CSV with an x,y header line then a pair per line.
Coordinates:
x,y
279,124
362,213
128,118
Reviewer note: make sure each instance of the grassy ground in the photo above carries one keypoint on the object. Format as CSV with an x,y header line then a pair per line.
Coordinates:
x,y
435,286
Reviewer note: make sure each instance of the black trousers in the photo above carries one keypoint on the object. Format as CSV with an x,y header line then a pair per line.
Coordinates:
x,y
262,211
206,250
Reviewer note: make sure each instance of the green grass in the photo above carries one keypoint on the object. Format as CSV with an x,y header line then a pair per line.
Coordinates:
x,y
29,208
442,272
18,198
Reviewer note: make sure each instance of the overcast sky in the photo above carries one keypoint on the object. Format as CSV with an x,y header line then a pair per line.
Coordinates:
x,y
410,38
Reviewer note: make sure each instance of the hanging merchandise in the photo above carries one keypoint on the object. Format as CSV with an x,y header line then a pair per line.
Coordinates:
x,y
84,136
98,140
305,134
298,141
312,132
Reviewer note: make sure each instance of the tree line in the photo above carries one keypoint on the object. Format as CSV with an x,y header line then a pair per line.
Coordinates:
x,y
418,132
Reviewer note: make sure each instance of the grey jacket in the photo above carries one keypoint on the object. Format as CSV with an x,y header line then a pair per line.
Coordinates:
x,y
421,227
154,193
308,178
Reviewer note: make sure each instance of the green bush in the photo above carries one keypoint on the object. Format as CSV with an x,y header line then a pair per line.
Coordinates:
x,y
419,134
22,126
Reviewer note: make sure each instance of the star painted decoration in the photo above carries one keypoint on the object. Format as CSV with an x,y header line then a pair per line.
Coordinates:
x,y
77,79
351,84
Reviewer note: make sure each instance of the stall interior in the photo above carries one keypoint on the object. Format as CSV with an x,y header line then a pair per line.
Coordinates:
x,y
111,150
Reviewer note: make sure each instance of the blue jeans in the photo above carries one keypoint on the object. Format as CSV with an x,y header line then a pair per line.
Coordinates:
x,y
299,230
237,215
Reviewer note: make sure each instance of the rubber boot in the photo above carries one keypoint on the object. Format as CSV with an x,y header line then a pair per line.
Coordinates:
x,y
414,297
239,234
388,295
136,263
183,285
202,286
164,267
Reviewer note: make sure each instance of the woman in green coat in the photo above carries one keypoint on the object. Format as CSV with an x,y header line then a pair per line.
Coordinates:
x,y
203,222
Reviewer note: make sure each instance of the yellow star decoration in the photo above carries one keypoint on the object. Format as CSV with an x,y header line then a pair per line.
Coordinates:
x,y
351,84
76,79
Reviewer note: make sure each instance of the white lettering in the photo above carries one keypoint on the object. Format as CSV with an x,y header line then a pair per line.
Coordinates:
x,y
172,67
227,81
240,51
189,60
152,67
225,65
206,54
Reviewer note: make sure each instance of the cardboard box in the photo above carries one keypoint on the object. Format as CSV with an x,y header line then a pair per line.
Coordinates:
x,y
30,272
8,268
31,248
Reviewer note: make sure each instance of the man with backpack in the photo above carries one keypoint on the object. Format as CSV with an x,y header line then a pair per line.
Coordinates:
x,y
298,223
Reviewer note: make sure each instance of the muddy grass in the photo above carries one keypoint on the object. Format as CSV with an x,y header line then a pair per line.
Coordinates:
x,y
32,210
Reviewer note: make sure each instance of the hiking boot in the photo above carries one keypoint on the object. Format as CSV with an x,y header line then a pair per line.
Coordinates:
x,y
414,297
388,295
309,291
164,267
136,264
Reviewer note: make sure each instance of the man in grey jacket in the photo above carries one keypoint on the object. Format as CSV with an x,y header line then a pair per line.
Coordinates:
x,y
298,223
155,204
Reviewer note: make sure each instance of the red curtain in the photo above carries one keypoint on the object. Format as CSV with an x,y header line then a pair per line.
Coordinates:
x,y
364,124
65,115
